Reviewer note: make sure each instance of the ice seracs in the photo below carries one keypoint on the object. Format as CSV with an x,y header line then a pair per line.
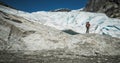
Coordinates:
x,y
74,20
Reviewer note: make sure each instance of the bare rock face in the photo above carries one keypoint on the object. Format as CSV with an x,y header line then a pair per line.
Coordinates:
x,y
61,10
110,7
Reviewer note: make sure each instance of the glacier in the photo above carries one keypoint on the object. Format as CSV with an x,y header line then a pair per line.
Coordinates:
x,y
74,20
39,37
20,35
40,32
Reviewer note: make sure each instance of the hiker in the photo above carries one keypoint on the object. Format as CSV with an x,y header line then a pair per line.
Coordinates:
x,y
87,27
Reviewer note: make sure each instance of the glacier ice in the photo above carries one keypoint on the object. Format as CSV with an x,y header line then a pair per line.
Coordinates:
x,y
74,20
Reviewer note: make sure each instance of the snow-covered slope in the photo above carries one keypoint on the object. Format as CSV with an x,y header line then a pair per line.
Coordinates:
x,y
74,20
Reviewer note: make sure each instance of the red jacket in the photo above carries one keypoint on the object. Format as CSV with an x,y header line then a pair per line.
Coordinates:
x,y
87,24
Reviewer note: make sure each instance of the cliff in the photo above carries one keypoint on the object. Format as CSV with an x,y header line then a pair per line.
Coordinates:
x,y
110,7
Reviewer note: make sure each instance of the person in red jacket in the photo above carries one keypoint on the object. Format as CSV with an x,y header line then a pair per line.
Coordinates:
x,y
87,27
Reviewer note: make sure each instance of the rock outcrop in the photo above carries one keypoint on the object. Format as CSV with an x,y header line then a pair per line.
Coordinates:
x,y
61,10
110,7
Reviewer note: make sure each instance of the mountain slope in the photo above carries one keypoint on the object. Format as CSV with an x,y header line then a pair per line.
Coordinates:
x,y
110,7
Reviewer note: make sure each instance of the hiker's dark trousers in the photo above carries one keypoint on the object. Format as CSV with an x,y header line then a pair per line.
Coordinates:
x,y
87,30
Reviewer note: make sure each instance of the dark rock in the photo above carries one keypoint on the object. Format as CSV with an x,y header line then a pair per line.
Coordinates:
x,y
110,7
4,4
61,10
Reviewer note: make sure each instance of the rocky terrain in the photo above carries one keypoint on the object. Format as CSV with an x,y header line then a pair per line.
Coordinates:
x,y
110,7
